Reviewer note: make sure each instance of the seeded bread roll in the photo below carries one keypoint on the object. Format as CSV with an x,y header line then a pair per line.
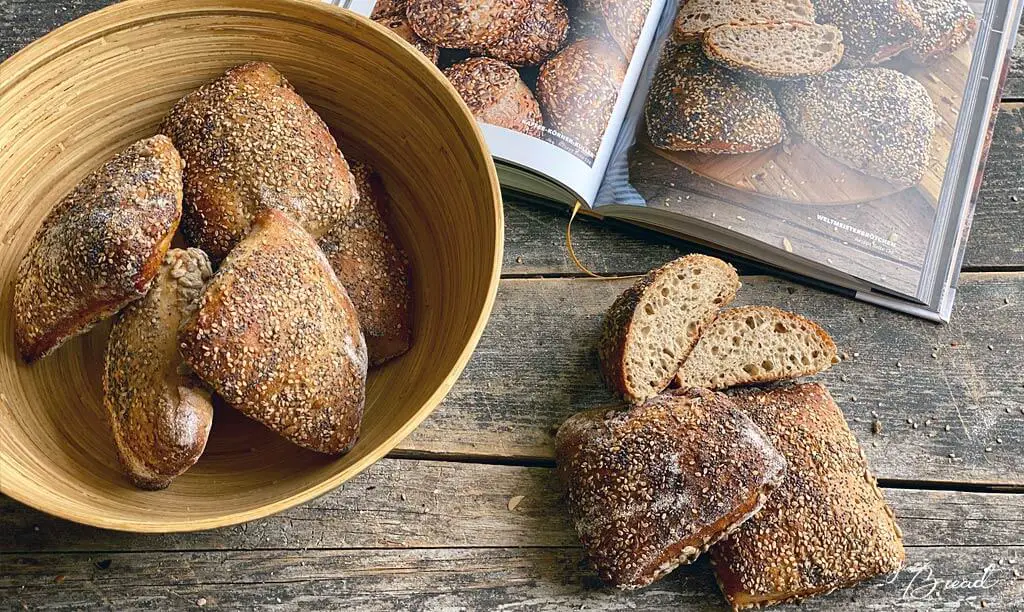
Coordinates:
x,y
756,344
99,248
160,414
947,25
625,19
695,105
786,50
373,269
465,24
400,25
873,30
695,17
651,488
388,8
875,120
651,328
827,526
577,90
495,94
250,143
586,21
536,38
276,335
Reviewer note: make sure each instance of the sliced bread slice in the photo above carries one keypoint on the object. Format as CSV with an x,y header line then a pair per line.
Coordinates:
x,y
652,327
756,344
787,50
697,16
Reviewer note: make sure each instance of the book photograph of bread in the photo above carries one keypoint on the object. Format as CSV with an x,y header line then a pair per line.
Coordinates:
x,y
100,248
550,69
728,68
652,488
651,328
827,526
160,413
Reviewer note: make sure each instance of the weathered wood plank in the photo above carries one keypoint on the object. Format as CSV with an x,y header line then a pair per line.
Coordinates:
x,y
537,365
456,579
428,504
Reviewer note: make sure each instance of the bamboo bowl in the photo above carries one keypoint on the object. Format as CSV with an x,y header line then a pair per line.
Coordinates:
x,y
89,89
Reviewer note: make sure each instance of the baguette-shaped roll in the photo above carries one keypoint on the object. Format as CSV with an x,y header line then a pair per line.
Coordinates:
x,y
276,335
99,248
651,488
827,526
159,413
250,142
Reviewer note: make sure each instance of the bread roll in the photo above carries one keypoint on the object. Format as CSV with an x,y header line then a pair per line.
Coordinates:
x,y
577,90
99,248
947,24
696,17
465,24
651,488
625,19
786,50
652,327
873,30
399,24
536,38
373,269
276,335
160,413
496,95
251,143
827,526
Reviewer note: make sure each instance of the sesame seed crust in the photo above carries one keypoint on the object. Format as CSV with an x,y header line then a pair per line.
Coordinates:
x,y
250,142
465,24
827,526
947,25
278,338
160,414
399,24
578,88
99,248
535,39
373,269
695,105
873,30
651,488
875,120
496,95
625,19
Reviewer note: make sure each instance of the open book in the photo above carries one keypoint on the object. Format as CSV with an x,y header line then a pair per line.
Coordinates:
x,y
839,140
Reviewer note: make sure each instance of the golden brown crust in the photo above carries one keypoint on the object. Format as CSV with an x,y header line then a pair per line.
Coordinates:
x,y
577,90
653,487
625,19
373,269
277,336
536,38
251,143
159,413
99,248
827,526
496,95
399,24
464,24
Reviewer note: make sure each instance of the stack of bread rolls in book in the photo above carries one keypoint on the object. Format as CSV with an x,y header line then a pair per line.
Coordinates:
x,y
291,286
772,481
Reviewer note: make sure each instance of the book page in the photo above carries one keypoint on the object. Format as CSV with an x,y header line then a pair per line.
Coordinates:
x,y
549,80
803,130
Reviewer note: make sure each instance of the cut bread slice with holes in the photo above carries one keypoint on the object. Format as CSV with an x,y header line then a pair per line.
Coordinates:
x,y
652,327
757,344
790,50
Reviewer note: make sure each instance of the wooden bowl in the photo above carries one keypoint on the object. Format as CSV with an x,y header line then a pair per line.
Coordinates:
x,y
89,89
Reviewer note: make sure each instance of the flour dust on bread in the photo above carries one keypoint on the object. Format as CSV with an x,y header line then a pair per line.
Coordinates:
x,y
827,526
756,344
696,17
276,335
99,249
652,327
785,50
159,412
250,143
652,487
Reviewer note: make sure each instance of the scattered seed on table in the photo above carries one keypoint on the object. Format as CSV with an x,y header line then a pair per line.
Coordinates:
x,y
876,427
991,348
946,428
999,440
988,449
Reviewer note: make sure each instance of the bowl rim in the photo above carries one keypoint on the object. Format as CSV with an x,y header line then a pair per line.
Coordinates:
x,y
81,30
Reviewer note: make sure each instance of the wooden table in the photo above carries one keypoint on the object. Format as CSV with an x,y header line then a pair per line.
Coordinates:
x,y
466,514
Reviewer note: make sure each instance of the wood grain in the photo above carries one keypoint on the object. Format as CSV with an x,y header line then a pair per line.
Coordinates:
x,y
521,384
